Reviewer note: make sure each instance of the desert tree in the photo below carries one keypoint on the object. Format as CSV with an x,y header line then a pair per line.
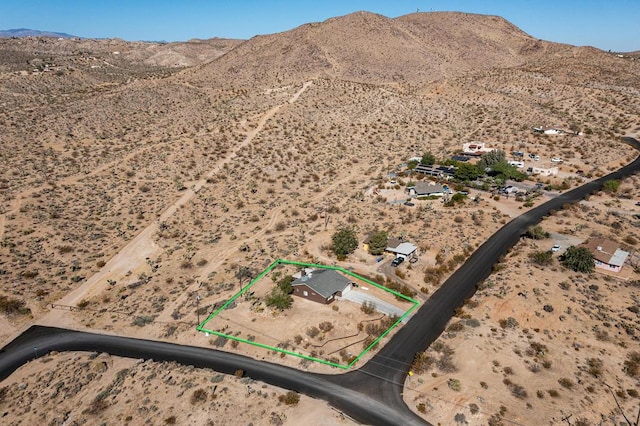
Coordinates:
x,y
344,242
578,259
378,242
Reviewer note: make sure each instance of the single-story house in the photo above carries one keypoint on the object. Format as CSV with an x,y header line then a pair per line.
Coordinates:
x,y
321,285
475,148
426,189
551,171
400,248
607,254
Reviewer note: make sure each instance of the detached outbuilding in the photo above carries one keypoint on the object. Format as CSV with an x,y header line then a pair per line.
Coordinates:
x,y
321,285
401,248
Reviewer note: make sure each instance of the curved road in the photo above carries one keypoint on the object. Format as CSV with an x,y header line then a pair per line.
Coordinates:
x,y
372,394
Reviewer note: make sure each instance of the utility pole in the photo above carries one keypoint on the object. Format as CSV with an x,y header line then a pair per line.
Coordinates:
x,y
198,307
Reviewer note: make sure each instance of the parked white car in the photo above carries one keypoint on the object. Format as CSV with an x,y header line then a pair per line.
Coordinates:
x,y
555,248
556,160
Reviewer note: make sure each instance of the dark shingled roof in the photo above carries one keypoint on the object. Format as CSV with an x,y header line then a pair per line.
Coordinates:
x,y
326,282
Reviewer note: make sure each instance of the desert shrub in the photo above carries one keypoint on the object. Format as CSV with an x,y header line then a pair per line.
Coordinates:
x,y
553,393
368,307
611,186
632,364
10,306
290,398
421,362
460,418
171,420
278,299
422,407
536,233
541,257
325,326
630,239
198,396
518,391
142,321
312,331
509,322
456,326
368,341
446,365
565,382
594,367
454,384
473,407
285,284
220,341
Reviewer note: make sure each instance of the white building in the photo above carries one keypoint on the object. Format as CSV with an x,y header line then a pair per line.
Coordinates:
x,y
551,171
475,148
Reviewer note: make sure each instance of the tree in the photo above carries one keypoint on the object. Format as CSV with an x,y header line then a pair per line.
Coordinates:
x,y
378,242
467,172
578,259
244,272
428,159
278,299
504,171
344,242
285,284
456,198
491,158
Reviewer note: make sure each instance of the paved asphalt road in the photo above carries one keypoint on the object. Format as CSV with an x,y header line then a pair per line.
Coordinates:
x,y
371,394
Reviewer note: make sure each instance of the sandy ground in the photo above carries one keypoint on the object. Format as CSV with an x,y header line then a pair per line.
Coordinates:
x,y
128,217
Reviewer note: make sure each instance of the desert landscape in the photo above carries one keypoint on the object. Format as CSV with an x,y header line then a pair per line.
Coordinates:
x,y
144,184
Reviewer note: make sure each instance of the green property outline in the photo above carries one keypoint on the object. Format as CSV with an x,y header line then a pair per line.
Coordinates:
x,y
201,326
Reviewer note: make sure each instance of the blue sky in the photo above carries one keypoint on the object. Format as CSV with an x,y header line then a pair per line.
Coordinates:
x,y
613,24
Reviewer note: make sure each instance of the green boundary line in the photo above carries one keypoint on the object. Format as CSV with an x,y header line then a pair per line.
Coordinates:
x,y
201,326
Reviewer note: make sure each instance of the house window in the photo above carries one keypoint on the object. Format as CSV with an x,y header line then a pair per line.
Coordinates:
x,y
305,293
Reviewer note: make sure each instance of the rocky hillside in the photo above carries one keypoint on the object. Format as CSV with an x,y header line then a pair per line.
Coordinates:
x,y
366,47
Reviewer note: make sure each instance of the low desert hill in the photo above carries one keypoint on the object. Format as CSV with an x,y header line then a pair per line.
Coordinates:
x,y
371,48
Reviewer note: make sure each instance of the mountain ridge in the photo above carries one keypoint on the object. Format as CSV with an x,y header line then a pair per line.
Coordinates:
x,y
27,32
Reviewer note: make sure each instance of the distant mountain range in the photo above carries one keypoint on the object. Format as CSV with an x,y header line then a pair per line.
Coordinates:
x,y
25,32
